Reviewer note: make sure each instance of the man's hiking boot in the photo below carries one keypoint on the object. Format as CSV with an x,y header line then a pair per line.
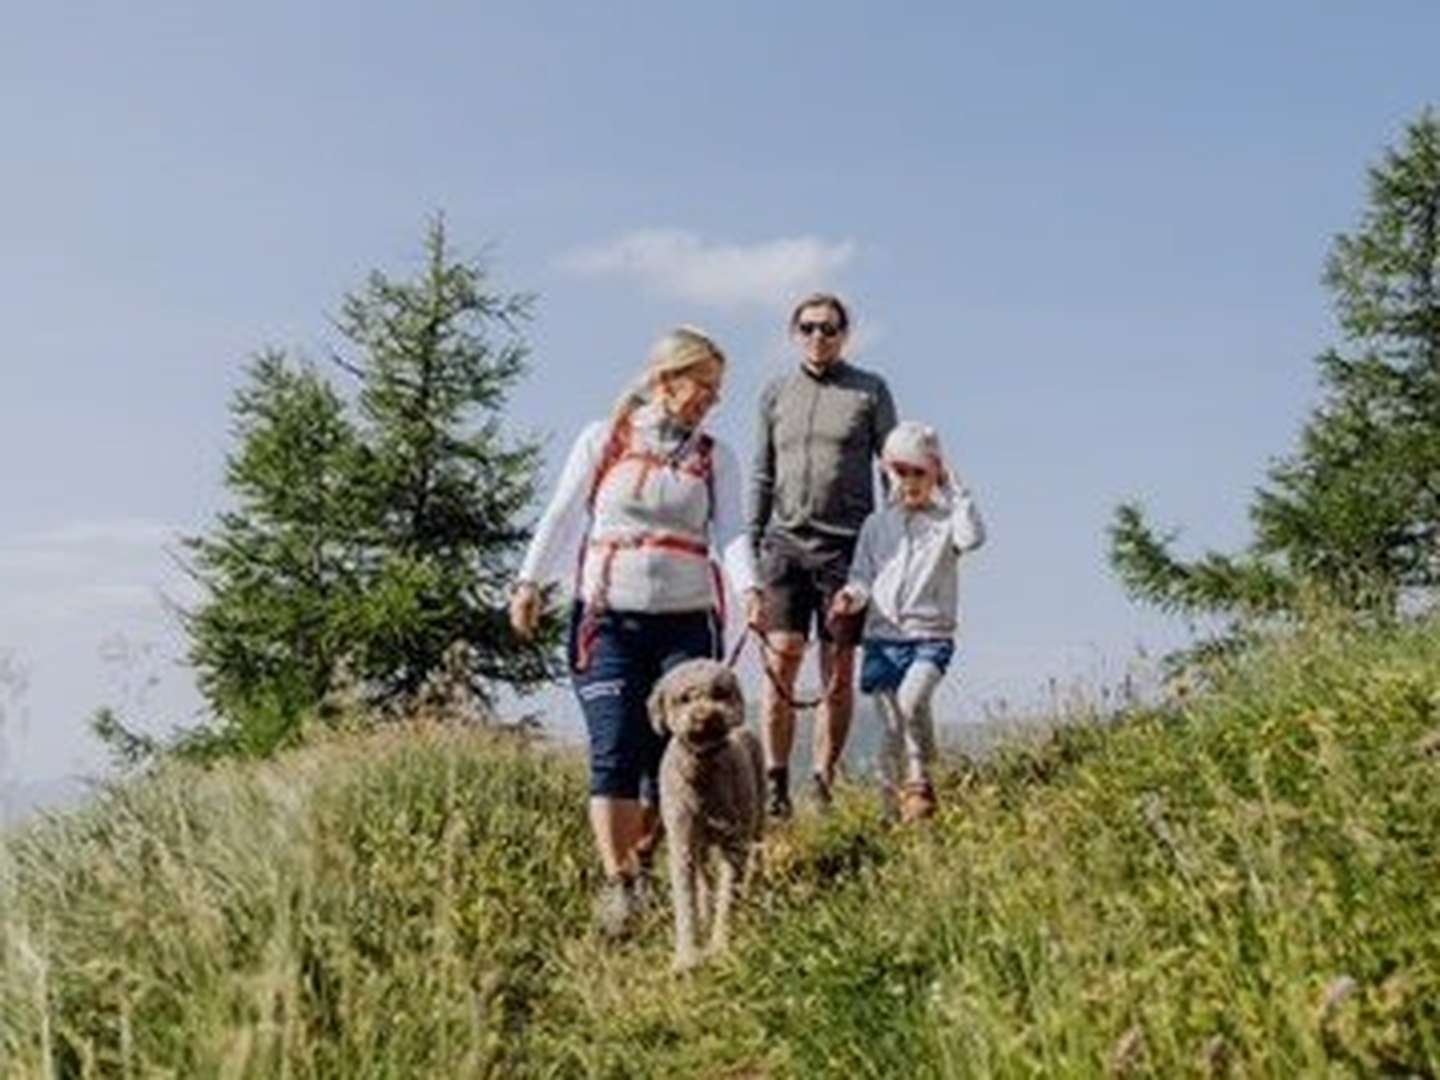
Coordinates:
x,y
777,803
617,907
820,792
917,801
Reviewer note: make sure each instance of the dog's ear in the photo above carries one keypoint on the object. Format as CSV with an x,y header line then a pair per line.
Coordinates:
x,y
655,705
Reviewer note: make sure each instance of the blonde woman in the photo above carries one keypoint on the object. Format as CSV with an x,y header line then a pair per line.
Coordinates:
x,y
644,505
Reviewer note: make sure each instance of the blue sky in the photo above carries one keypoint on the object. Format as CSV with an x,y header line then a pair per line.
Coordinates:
x,y
1083,240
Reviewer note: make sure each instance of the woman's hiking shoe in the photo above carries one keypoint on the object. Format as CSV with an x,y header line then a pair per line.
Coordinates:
x,y
917,801
617,907
645,889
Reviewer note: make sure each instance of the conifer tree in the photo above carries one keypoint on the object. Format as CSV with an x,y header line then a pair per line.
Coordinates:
x,y
373,530
445,488
1352,517
282,566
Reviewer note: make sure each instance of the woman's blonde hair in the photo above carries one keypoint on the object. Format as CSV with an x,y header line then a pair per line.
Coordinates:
x,y
679,350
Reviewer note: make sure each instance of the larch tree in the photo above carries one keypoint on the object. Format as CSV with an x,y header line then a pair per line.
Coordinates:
x,y
1352,516
375,525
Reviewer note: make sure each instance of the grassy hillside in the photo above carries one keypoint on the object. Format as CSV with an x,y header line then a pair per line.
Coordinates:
x,y
1250,886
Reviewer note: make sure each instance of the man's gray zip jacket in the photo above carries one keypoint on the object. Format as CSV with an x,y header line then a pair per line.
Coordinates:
x,y
819,435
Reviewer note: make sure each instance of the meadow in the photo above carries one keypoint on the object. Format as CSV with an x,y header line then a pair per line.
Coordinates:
x,y
1241,883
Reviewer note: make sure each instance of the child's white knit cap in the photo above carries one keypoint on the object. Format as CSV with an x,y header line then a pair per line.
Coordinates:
x,y
913,443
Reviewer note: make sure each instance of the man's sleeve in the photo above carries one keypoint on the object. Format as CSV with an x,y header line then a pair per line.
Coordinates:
x,y
882,422
762,475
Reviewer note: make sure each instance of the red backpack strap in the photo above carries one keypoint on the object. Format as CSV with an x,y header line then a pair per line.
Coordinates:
x,y
617,449
617,444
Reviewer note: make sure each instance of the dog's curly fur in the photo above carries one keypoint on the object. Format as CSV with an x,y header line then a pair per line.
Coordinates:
x,y
711,797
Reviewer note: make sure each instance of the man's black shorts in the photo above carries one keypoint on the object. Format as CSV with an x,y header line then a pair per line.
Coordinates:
x,y
800,580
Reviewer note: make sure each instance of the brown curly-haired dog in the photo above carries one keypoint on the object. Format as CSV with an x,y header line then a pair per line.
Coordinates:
x,y
711,785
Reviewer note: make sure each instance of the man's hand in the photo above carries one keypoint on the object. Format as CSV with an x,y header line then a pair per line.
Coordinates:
x,y
525,609
846,604
757,617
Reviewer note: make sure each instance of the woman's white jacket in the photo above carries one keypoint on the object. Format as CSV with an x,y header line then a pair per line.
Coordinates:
x,y
575,532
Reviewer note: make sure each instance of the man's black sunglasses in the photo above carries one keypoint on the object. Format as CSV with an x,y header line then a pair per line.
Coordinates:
x,y
827,329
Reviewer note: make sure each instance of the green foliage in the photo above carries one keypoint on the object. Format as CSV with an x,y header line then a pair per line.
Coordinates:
x,y
285,568
376,530
1353,516
1245,887
352,910
128,748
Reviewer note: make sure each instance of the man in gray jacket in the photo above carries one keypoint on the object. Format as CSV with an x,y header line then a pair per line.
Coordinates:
x,y
821,430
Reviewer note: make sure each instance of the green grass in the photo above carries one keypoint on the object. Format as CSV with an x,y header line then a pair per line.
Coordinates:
x,y
1179,894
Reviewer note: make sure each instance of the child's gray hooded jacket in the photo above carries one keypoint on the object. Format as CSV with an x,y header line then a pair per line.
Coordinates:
x,y
906,566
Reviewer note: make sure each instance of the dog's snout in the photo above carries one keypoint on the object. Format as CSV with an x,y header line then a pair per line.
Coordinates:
x,y
712,717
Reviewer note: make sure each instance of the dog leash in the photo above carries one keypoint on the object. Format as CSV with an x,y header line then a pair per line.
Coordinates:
x,y
770,651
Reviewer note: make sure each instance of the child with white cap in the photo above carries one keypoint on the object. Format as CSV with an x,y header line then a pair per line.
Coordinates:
x,y
905,572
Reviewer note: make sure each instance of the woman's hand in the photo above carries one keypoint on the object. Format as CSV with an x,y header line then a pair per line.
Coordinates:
x,y
525,609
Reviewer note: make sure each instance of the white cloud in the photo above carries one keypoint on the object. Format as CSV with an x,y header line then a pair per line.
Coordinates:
x,y
679,264
80,544
21,560
87,569
115,532
117,596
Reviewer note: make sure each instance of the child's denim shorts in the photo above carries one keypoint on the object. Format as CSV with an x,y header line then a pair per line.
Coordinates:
x,y
883,663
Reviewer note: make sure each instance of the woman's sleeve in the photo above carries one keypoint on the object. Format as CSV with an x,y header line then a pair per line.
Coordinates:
x,y
729,520
555,546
